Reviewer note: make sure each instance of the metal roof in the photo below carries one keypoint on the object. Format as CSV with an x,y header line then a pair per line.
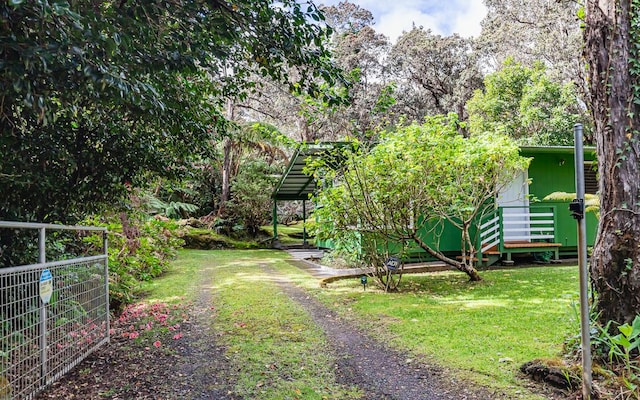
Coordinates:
x,y
295,184
553,149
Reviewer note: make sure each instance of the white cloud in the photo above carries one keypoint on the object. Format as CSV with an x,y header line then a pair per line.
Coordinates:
x,y
395,16
393,23
468,18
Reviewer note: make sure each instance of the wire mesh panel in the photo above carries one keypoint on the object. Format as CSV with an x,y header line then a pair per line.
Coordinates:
x,y
52,315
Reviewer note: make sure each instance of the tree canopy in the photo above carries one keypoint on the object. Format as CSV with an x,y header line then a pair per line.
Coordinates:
x,y
436,74
96,96
525,103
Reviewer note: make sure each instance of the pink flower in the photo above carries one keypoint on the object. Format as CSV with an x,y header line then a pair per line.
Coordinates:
x,y
157,343
177,336
133,335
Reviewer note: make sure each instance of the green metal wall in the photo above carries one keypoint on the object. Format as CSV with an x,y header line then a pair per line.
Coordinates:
x,y
552,170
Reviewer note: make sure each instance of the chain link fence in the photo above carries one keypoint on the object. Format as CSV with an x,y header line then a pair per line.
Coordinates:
x,y
52,314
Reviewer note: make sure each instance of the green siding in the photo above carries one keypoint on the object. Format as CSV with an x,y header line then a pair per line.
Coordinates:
x,y
550,173
553,170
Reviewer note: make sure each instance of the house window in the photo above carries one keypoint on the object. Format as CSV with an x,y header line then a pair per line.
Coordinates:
x,y
590,178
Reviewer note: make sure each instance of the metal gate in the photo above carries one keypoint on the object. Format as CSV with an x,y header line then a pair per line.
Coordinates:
x,y
52,314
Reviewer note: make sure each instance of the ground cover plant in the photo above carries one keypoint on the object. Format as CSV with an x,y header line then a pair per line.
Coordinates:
x,y
145,339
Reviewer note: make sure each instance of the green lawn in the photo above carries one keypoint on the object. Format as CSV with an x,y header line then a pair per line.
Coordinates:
x,y
289,234
483,331
486,329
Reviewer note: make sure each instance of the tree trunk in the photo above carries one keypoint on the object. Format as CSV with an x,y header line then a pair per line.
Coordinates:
x,y
462,267
226,174
226,163
615,263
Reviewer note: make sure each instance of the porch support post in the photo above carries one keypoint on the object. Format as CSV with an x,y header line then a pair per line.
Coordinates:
x,y
304,222
275,219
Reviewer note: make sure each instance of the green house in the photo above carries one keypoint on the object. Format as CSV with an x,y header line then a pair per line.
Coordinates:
x,y
522,222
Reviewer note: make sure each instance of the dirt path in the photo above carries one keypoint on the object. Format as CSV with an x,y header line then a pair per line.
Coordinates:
x,y
206,370
379,371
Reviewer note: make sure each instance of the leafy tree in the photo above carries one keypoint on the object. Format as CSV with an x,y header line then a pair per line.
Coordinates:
x,y
251,198
612,35
98,95
261,141
416,179
524,103
535,31
435,74
359,49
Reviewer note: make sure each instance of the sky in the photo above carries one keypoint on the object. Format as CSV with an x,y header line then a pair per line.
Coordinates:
x,y
392,17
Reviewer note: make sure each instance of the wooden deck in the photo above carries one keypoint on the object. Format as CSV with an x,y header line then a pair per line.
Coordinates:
x,y
530,247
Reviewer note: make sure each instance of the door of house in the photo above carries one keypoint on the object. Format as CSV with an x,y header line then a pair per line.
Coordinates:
x,y
515,202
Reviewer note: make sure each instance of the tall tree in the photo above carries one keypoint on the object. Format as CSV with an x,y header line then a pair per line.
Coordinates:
x,y
435,74
526,104
360,52
535,31
612,35
413,181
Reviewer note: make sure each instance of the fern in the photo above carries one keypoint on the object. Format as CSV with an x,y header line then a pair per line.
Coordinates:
x,y
172,209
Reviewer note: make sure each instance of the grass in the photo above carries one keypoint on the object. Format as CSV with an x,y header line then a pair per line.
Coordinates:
x,y
272,342
180,281
289,234
485,330
481,331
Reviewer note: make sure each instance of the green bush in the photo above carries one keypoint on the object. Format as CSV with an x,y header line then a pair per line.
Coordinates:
x,y
140,249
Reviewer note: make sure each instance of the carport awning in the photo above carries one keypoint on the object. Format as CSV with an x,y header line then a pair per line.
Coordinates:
x,y
295,184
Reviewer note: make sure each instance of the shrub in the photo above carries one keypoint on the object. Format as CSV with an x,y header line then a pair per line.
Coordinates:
x,y
139,249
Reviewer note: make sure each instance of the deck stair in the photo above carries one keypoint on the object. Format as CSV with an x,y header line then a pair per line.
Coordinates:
x,y
510,230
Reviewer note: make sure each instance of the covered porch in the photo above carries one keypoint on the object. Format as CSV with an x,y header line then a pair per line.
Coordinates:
x,y
297,185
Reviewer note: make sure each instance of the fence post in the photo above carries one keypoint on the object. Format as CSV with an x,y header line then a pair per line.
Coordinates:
x,y
42,258
105,241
